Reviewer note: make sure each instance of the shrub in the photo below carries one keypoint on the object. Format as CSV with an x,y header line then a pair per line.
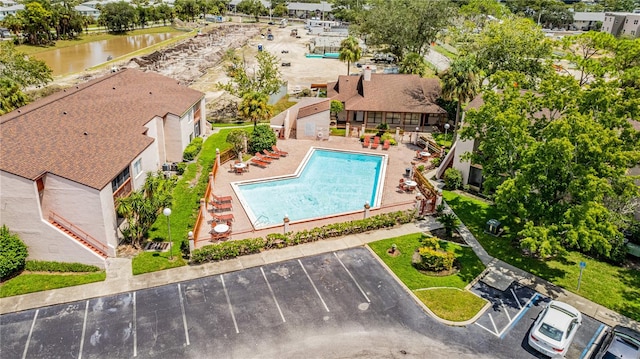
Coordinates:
x,y
389,136
435,260
436,161
262,138
452,179
13,253
192,150
46,266
232,249
181,168
450,222
430,242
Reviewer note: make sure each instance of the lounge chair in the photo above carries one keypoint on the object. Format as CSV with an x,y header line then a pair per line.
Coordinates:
x,y
270,154
365,143
376,143
222,217
221,206
278,151
221,199
263,158
386,144
259,163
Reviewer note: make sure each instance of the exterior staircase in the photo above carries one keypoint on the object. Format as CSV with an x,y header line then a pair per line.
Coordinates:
x,y
87,241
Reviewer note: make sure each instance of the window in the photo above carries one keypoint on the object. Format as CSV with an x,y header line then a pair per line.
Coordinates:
x,y
374,117
190,116
393,118
137,167
120,179
412,119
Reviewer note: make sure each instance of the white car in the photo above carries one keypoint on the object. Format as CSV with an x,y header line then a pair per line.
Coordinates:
x,y
554,329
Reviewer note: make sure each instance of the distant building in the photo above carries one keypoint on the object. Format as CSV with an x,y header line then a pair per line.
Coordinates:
x,y
622,24
586,21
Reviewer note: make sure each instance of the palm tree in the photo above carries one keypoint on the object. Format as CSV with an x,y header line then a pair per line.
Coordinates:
x,y
350,51
254,106
450,222
460,83
413,63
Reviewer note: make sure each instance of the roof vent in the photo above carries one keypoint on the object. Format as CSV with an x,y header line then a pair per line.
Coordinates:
x,y
86,133
150,93
77,87
65,90
64,113
114,87
19,111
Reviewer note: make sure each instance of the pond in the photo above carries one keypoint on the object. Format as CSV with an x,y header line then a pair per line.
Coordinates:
x,y
77,58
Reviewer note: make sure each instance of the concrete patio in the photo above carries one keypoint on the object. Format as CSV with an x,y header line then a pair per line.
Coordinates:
x,y
399,158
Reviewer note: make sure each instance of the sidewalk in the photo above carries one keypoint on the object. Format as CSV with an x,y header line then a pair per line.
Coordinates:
x,y
120,278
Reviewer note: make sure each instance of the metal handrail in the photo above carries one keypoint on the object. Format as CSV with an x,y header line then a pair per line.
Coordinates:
x,y
66,224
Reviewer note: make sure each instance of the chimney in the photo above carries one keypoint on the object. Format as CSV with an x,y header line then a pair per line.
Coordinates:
x,y
367,73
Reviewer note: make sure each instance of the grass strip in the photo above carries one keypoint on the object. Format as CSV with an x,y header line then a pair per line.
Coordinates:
x,y
451,304
36,282
614,287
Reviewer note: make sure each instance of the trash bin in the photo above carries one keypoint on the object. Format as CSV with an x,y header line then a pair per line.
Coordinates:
x,y
259,47
494,227
407,171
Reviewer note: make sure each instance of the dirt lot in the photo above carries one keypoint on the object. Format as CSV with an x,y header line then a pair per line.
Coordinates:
x,y
302,72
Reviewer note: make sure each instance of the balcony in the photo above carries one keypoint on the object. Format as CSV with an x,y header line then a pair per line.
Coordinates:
x,y
124,190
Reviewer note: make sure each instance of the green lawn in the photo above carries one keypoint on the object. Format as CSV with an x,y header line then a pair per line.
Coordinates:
x,y
445,52
186,200
412,278
614,287
451,303
461,306
36,282
442,140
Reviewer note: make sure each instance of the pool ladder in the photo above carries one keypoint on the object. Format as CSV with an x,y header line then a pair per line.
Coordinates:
x,y
259,222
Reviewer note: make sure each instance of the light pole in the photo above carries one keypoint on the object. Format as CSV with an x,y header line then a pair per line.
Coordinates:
x,y
167,213
446,128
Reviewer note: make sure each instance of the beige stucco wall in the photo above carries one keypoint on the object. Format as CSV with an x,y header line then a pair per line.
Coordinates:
x,y
463,147
156,131
151,162
20,211
173,138
319,122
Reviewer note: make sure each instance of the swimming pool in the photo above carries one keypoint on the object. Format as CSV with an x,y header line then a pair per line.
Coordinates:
x,y
327,182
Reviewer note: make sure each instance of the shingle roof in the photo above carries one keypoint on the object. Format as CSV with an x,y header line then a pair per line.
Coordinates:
x,y
387,92
91,132
315,108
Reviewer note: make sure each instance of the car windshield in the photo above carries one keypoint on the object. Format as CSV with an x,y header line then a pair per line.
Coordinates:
x,y
551,332
623,347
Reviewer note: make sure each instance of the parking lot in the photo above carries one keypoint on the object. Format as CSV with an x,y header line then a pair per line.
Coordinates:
x,y
340,305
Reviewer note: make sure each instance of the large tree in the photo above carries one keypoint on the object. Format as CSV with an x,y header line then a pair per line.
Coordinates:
x,y
350,51
460,83
347,10
513,44
557,159
413,63
118,17
17,72
186,10
35,20
252,7
265,79
406,25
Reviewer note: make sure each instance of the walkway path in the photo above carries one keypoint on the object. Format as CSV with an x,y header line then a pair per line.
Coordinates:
x,y
438,60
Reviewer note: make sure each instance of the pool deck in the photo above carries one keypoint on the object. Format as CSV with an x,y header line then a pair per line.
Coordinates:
x,y
399,158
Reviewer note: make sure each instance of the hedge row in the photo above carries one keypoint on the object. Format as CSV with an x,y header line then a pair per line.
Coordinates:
x,y
192,150
46,266
232,249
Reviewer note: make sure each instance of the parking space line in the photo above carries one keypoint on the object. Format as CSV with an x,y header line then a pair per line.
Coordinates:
x,y
494,323
587,350
505,310
135,332
519,315
273,295
226,294
487,329
84,330
33,324
352,278
184,315
314,286
516,297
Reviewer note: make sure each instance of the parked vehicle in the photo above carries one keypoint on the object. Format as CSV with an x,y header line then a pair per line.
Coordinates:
x,y
285,51
554,329
286,64
269,37
384,58
620,342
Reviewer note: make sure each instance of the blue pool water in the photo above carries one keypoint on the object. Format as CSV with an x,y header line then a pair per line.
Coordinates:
x,y
329,182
